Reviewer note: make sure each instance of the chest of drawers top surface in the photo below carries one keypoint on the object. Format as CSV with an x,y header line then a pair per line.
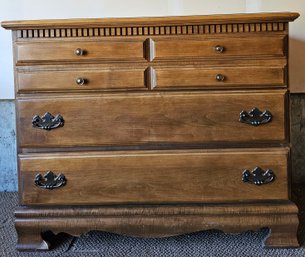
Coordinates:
x,y
151,21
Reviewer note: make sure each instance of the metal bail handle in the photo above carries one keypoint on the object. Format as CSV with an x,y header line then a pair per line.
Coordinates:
x,y
50,180
258,176
48,121
255,117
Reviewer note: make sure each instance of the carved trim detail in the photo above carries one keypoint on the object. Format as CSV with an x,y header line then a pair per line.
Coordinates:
x,y
281,217
153,30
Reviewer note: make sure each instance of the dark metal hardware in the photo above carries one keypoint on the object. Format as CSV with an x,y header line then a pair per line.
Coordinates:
x,y
220,77
219,49
255,117
79,52
50,180
80,81
48,121
258,176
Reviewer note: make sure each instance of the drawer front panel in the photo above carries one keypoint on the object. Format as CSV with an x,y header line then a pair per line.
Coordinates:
x,y
69,79
67,51
154,177
134,119
107,79
203,47
156,49
219,77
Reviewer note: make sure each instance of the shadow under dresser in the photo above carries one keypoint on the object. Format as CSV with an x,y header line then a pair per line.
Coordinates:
x,y
153,127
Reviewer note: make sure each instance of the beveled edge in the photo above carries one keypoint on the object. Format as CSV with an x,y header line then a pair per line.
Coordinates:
x,y
146,21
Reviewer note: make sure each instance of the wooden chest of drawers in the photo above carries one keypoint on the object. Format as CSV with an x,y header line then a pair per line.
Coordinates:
x,y
153,126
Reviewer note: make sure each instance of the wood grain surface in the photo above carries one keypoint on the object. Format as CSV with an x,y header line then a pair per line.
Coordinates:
x,y
208,19
95,79
162,78
251,46
158,221
65,51
154,177
137,119
234,77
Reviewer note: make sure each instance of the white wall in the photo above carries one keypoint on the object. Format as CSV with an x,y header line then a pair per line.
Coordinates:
x,y
297,38
39,9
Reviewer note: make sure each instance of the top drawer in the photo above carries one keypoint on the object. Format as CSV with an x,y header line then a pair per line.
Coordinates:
x,y
80,50
218,47
151,49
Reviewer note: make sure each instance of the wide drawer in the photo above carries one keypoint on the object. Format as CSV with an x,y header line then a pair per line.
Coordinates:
x,y
150,118
79,51
194,176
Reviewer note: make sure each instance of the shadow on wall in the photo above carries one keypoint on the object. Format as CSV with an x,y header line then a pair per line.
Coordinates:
x,y
297,65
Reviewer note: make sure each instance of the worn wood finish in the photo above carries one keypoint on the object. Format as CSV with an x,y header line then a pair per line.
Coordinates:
x,y
154,177
159,221
152,139
155,118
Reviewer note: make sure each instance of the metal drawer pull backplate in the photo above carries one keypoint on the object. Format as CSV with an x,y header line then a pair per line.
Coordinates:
x,y
255,117
48,121
258,176
50,180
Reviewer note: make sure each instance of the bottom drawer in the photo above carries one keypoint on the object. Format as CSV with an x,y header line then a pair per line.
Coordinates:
x,y
147,177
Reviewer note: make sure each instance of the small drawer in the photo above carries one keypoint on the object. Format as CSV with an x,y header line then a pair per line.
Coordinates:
x,y
69,79
217,77
152,118
79,51
151,177
218,47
